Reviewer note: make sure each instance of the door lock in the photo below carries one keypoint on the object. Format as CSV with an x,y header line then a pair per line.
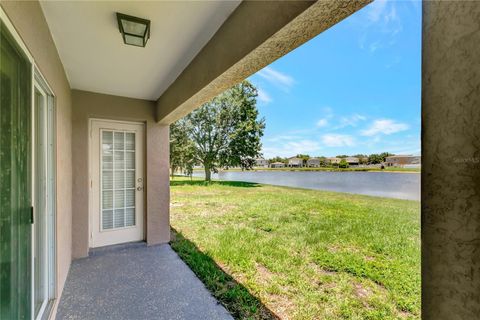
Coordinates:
x,y
139,184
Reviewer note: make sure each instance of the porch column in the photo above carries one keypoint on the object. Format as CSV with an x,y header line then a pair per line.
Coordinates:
x,y
158,183
451,160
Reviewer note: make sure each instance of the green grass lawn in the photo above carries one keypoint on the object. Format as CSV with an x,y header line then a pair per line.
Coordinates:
x,y
267,252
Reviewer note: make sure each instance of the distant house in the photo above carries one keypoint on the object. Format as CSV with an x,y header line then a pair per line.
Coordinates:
x,y
313,162
403,161
334,160
277,165
352,161
260,162
295,162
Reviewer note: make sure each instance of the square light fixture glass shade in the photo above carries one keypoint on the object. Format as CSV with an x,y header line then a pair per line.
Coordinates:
x,y
135,31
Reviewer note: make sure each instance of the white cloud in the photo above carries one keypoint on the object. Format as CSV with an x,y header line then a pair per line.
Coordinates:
x,y
327,113
383,12
328,110
322,123
286,137
392,15
263,96
292,148
394,62
377,8
345,121
381,17
374,46
338,140
277,78
351,121
384,126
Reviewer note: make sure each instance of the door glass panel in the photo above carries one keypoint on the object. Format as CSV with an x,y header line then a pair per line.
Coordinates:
x,y
130,141
119,200
107,196
130,198
15,183
107,219
119,140
130,179
119,162
118,179
130,216
107,181
119,218
107,150
130,160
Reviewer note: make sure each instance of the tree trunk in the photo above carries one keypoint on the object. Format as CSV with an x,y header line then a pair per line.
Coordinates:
x,y
208,173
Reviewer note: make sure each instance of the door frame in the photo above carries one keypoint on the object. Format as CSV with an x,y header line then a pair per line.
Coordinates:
x,y
91,155
39,83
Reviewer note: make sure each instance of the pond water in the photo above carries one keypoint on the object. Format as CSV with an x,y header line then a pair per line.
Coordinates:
x,y
381,184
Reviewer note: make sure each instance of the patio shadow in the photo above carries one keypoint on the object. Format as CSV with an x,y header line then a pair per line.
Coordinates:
x,y
240,184
230,293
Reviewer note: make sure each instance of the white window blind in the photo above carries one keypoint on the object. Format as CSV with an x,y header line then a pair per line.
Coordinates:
x,y
118,179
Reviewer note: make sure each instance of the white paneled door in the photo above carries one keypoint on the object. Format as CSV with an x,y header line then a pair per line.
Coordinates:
x,y
116,182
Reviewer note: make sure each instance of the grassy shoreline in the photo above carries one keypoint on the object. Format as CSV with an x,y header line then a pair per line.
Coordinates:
x,y
390,169
267,251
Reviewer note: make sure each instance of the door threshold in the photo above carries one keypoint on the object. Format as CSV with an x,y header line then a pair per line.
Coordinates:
x,y
115,247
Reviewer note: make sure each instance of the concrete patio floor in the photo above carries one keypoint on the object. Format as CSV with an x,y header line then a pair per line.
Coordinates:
x,y
136,282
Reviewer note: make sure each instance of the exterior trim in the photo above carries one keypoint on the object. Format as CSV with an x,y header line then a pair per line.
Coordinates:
x,y
16,36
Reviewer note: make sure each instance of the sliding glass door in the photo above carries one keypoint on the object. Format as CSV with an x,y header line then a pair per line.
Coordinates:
x,y
27,186
15,183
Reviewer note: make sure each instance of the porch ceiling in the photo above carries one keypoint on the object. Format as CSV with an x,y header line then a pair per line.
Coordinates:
x,y
96,59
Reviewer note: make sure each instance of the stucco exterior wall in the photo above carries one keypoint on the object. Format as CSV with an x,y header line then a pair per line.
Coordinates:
x,y
88,105
451,160
30,23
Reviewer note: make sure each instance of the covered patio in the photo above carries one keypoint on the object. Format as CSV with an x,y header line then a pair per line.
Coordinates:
x,y
96,125
79,106
136,281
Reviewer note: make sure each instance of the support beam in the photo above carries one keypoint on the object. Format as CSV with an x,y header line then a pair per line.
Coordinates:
x,y
451,160
256,34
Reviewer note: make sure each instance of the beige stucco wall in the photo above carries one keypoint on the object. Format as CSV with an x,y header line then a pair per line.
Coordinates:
x,y
451,160
28,19
88,105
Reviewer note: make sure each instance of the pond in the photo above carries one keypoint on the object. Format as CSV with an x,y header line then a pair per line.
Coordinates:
x,y
380,184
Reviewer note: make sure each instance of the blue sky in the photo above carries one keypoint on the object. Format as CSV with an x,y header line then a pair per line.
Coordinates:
x,y
355,88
